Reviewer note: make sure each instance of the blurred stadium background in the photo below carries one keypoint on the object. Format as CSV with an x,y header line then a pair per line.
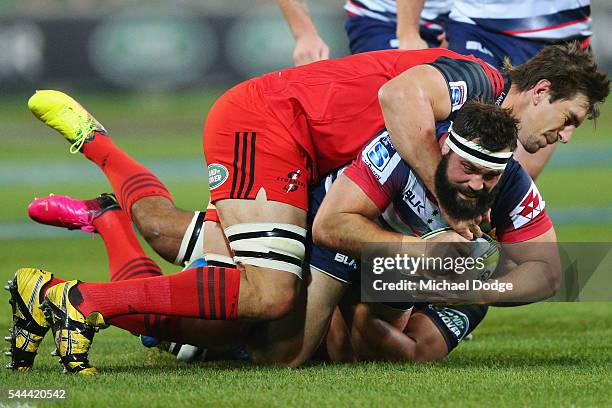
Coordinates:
x,y
150,71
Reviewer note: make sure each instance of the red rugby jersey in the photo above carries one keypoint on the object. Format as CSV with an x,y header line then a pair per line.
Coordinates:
x,y
331,107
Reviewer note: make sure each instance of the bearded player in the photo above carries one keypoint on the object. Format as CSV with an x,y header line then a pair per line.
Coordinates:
x,y
326,275
128,261
267,139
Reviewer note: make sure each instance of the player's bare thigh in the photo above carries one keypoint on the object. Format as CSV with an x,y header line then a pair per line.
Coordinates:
x,y
260,209
293,340
259,177
286,342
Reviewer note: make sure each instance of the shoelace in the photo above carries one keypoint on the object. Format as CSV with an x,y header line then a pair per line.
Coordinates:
x,y
85,128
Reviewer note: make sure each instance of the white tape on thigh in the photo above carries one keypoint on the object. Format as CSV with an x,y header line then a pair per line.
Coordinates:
x,y
218,260
269,245
192,245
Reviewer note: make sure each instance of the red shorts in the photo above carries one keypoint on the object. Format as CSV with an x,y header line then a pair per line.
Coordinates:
x,y
211,215
247,148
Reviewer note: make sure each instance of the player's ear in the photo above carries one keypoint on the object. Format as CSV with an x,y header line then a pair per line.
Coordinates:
x,y
444,149
540,91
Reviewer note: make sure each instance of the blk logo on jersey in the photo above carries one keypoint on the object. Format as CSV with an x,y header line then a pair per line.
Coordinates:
x,y
411,198
530,207
458,93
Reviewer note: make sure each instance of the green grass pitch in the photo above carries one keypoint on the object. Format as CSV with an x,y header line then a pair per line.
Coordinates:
x,y
549,354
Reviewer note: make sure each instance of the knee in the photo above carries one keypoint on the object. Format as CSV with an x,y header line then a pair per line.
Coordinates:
x,y
154,224
150,229
422,354
269,294
278,302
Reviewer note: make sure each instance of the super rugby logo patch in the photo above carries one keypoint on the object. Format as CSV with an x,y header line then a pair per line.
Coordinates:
x,y
217,175
458,94
380,156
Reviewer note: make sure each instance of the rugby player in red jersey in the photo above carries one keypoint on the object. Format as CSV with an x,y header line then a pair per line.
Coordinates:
x,y
266,140
127,261
293,339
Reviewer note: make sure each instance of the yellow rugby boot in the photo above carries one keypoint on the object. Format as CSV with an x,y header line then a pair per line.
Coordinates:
x,y
72,331
29,323
67,116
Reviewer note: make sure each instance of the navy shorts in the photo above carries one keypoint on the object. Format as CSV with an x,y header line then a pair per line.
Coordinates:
x,y
453,322
335,264
368,34
490,46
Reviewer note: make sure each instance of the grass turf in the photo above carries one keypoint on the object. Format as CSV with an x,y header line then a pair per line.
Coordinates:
x,y
549,354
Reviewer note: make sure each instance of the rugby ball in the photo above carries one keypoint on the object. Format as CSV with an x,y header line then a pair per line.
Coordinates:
x,y
486,249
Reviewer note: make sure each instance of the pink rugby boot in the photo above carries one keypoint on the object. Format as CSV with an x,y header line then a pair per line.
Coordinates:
x,y
67,212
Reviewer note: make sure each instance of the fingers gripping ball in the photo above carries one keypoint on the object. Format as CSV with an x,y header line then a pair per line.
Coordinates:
x,y
485,253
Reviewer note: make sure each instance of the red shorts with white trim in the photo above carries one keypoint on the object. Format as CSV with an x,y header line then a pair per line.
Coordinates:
x,y
247,149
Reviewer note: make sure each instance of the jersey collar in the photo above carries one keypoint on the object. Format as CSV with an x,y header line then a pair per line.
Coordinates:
x,y
504,93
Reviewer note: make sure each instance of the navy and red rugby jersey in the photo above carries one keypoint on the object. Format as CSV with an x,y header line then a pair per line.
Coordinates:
x,y
518,213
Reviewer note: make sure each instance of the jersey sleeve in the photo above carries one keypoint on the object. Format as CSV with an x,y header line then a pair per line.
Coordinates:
x,y
467,80
519,213
379,171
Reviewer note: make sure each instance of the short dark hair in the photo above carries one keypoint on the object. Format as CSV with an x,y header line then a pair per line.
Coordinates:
x,y
494,127
569,68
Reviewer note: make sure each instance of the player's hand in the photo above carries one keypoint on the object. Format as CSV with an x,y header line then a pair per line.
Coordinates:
x,y
443,246
443,41
309,48
412,43
459,246
469,229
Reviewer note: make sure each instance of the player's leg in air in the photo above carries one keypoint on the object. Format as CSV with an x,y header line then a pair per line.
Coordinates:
x,y
88,136
263,215
127,260
143,196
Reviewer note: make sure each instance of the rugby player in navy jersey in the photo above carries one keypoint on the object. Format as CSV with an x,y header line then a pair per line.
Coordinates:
x,y
379,198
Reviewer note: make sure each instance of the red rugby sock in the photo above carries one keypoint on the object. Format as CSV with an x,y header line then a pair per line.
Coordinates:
x,y
126,258
167,328
54,281
131,181
204,293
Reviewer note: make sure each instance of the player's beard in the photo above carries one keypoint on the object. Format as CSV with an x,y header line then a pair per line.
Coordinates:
x,y
458,208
